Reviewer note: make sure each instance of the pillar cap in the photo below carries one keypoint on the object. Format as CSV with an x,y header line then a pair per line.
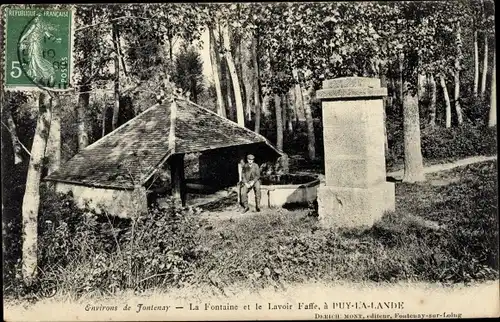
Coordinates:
x,y
351,88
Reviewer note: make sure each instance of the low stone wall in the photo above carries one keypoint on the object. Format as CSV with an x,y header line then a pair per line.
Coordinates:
x,y
122,203
279,195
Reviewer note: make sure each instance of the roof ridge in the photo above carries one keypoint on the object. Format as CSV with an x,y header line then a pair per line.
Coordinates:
x,y
173,118
230,122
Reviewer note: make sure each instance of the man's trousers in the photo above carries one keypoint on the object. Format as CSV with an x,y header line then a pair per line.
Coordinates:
x,y
244,194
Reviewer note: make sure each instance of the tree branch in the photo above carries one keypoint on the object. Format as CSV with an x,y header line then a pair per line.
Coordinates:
x,y
108,21
17,139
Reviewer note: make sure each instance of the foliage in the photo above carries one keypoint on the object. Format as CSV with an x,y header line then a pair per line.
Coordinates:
x,y
86,252
458,142
188,73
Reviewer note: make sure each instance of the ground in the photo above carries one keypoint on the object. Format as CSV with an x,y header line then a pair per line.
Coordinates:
x,y
444,229
444,232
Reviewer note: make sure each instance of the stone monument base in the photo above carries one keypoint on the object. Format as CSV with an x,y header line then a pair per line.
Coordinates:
x,y
354,207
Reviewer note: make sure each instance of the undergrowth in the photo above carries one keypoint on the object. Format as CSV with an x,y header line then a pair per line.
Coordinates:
x,y
440,233
89,253
444,230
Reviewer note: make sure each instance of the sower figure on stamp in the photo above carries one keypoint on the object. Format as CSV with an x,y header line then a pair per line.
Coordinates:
x,y
250,181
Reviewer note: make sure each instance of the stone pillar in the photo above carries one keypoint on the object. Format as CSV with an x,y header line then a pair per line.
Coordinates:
x,y
355,192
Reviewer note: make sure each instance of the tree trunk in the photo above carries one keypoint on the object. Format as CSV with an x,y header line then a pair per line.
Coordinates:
x,y
401,84
432,121
485,66
229,92
266,105
476,65
413,163
293,100
53,151
458,57
171,48
256,85
81,107
234,77
116,106
291,116
492,115
226,79
311,138
306,108
104,114
31,200
194,91
215,60
239,68
279,122
18,158
248,81
299,97
446,101
421,87
284,100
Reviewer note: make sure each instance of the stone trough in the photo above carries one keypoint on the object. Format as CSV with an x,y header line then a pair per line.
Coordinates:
x,y
286,190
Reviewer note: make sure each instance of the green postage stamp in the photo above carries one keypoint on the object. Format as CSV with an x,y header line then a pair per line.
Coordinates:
x,y
38,47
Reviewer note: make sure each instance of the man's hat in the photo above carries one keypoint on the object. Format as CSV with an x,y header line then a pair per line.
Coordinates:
x,y
250,157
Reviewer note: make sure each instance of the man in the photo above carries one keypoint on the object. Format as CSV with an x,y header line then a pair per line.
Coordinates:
x,y
250,181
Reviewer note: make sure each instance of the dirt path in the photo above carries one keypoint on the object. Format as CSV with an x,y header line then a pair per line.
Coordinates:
x,y
233,211
446,166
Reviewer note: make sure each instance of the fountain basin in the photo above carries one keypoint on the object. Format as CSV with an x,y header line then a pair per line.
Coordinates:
x,y
285,190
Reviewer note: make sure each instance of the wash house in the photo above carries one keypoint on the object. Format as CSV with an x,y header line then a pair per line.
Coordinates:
x,y
177,149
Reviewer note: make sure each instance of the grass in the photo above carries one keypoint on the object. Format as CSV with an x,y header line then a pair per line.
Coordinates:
x,y
444,229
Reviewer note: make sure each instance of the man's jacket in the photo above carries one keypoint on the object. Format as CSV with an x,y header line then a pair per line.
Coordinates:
x,y
251,172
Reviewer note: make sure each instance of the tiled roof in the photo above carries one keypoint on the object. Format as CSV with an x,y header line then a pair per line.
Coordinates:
x,y
135,149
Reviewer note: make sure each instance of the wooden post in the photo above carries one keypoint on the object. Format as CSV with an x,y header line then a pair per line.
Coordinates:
x,y
178,180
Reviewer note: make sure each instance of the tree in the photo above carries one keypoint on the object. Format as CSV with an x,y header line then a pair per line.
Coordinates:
x,y
234,76
492,116
476,65
432,107
215,61
288,116
53,149
247,77
406,39
91,55
487,25
458,58
311,144
256,83
485,66
116,104
31,200
189,71
279,121
413,163
446,100
11,125
306,108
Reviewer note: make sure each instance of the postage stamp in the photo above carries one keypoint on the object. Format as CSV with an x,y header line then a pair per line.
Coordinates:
x,y
38,49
